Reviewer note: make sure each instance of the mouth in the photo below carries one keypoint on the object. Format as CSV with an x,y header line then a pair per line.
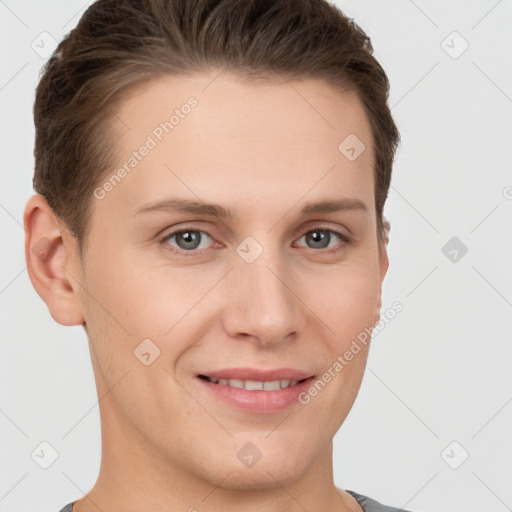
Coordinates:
x,y
255,385
256,391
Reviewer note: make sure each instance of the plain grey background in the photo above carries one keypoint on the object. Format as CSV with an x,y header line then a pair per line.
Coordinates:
x,y
430,430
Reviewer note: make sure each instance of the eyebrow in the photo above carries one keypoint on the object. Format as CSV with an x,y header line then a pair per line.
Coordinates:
x,y
215,210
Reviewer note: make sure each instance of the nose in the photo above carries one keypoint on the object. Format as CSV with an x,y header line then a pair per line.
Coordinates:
x,y
263,303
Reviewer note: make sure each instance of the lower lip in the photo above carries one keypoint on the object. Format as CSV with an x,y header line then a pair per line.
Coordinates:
x,y
258,401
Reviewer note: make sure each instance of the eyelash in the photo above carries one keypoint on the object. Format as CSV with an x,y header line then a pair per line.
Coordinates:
x,y
345,240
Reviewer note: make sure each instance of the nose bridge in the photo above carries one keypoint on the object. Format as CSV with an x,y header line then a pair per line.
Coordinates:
x,y
263,303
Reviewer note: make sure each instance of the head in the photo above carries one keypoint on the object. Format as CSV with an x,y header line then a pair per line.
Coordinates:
x,y
257,112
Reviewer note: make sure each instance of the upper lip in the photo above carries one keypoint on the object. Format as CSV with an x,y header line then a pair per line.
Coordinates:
x,y
259,374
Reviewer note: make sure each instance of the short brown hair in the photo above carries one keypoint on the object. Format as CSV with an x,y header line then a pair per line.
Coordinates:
x,y
120,43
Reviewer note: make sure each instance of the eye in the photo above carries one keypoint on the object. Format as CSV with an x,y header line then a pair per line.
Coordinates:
x,y
320,238
187,240
191,240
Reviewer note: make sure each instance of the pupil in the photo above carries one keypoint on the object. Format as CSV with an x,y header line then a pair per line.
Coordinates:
x,y
320,237
190,239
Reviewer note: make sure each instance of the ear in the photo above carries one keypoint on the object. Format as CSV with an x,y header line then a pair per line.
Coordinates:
x,y
383,266
52,261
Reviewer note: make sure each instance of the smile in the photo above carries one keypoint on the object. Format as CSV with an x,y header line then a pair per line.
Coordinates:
x,y
256,391
254,385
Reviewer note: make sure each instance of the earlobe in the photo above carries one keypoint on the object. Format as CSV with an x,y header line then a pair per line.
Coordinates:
x,y
51,261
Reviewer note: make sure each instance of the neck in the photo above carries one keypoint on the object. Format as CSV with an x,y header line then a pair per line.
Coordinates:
x,y
134,476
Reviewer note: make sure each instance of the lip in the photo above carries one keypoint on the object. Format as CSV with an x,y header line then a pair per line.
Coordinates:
x,y
258,401
259,374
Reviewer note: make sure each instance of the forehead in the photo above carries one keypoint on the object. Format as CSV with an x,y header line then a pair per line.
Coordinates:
x,y
214,134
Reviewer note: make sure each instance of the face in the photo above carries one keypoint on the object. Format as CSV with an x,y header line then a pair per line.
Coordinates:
x,y
271,284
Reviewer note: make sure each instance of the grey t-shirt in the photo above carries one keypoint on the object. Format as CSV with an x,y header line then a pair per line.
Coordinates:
x,y
366,503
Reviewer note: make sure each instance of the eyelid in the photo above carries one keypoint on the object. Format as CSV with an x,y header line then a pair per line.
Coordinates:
x,y
345,240
176,250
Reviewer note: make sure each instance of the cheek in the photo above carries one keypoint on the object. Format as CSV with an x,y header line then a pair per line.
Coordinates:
x,y
133,298
115,309
347,307
123,291
345,299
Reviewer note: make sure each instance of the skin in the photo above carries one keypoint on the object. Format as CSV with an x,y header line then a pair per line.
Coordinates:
x,y
262,151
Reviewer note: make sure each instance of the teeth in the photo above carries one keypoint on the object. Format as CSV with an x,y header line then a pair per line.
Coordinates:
x,y
273,385
255,385
235,383
252,384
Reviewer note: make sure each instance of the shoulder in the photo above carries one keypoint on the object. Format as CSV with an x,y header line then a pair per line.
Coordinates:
x,y
370,505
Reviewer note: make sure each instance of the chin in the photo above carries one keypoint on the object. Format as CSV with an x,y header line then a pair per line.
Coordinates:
x,y
275,467
267,476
